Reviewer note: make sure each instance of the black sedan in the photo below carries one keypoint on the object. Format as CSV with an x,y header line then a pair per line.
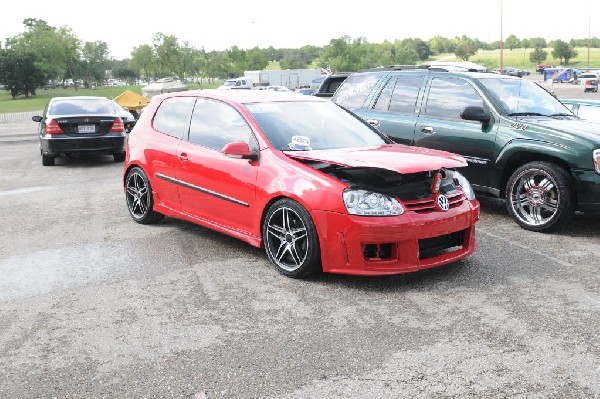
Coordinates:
x,y
78,125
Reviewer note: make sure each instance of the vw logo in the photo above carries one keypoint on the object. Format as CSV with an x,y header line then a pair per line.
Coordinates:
x,y
86,120
443,203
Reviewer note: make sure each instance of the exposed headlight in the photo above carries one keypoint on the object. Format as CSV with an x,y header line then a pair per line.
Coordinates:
x,y
368,203
464,183
597,160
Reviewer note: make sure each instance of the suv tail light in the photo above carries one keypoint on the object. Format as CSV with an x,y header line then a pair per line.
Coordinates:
x,y
117,126
53,128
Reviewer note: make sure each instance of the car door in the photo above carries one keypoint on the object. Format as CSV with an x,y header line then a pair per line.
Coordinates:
x,y
441,127
170,123
213,186
394,109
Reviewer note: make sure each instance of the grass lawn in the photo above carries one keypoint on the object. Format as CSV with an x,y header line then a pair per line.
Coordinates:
x,y
39,101
519,58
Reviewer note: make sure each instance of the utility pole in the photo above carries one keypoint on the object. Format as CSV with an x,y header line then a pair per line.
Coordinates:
x,y
501,41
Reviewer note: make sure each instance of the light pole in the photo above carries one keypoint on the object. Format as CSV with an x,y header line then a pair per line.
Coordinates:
x,y
501,41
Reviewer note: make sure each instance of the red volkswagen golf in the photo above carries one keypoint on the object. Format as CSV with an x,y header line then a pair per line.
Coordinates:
x,y
318,188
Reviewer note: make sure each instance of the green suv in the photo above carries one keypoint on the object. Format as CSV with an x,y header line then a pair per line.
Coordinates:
x,y
521,143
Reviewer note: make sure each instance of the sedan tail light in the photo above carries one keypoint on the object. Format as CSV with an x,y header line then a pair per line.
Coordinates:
x,y
53,128
117,126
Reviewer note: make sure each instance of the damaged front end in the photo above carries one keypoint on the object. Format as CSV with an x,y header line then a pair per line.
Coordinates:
x,y
383,192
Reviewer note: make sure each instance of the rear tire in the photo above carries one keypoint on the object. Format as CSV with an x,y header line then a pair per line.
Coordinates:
x,y
138,194
539,196
47,160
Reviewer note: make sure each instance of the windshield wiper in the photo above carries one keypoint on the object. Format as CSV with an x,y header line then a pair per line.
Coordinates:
x,y
561,115
526,114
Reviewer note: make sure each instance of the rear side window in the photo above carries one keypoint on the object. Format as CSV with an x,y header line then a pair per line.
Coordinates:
x,y
173,116
355,90
215,124
400,95
448,98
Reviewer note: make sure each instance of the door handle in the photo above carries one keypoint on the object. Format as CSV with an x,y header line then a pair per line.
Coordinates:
x,y
182,157
428,130
373,122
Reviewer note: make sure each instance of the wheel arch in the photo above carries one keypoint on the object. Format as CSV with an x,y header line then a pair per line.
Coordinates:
x,y
510,160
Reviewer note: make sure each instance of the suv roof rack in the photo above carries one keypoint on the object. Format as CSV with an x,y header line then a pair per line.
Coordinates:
x,y
393,68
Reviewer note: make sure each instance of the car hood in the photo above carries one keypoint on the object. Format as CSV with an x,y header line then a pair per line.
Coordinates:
x,y
395,157
576,127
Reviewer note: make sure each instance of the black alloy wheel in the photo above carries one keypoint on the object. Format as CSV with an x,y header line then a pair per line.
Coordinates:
x,y
290,239
138,194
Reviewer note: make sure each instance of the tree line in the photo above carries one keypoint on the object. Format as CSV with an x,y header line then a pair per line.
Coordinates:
x,y
45,53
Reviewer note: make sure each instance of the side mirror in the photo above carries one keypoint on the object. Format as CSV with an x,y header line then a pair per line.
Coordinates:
x,y
239,149
36,118
476,114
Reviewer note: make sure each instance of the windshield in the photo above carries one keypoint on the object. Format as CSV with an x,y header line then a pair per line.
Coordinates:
x,y
312,125
518,97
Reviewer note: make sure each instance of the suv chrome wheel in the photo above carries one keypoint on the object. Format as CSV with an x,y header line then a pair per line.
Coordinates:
x,y
539,196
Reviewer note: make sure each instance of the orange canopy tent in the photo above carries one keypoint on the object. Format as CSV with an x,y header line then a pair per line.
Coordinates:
x,y
131,100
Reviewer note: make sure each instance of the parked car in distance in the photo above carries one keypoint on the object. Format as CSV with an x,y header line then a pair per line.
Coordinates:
x,y
319,189
71,126
126,116
522,144
276,88
585,109
585,77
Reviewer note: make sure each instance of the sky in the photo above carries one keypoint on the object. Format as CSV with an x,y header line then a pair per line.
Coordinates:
x,y
286,24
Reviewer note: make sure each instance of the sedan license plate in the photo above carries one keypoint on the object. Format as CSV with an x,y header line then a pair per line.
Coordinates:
x,y
86,129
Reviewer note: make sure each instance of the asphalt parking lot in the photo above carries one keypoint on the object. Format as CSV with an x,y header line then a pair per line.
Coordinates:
x,y
93,305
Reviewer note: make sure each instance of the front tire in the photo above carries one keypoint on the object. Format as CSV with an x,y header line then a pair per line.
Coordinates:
x,y
290,239
539,196
138,194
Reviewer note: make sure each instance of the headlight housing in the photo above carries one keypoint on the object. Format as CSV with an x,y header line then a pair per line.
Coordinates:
x,y
368,203
597,160
464,183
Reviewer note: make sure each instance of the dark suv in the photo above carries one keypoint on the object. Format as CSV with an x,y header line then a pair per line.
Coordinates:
x,y
521,143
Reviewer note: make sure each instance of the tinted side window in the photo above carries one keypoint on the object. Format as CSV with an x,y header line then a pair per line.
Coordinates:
x,y
400,95
355,89
173,116
448,97
215,124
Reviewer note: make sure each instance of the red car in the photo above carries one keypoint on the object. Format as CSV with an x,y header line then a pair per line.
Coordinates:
x,y
318,188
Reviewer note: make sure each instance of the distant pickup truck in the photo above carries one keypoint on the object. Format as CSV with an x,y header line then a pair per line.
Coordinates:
x,y
521,143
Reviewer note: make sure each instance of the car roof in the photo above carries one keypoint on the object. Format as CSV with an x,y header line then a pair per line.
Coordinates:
x,y
245,95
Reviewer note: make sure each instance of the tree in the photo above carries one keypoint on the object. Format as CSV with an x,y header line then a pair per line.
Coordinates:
x,y
20,72
537,42
538,55
419,46
512,42
465,48
142,57
563,51
94,57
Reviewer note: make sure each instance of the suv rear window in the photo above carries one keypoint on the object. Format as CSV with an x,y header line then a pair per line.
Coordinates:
x,y
355,90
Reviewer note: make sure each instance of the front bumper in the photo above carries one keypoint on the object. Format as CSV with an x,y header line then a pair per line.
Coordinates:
x,y
587,186
55,145
399,244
